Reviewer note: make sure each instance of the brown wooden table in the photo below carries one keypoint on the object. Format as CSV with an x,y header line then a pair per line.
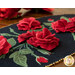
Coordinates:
x,y
58,11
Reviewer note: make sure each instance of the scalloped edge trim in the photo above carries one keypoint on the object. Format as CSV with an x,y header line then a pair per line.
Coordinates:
x,y
56,62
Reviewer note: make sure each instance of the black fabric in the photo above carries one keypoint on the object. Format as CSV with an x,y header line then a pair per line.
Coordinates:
x,y
66,46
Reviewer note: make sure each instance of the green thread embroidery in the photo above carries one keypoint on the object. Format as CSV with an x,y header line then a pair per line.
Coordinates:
x,y
2,56
73,34
11,30
41,50
63,17
19,58
10,35
48,24
12,41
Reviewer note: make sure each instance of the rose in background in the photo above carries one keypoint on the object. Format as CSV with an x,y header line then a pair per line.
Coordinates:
x,y
9,13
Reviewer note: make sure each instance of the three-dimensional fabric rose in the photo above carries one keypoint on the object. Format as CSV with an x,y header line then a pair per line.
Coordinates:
x,y
29,23
72,19
63,26
8,13
45,39
4,45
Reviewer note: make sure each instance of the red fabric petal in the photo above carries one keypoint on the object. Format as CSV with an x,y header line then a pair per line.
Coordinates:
x,y
42,60
4,45
29,23
59,26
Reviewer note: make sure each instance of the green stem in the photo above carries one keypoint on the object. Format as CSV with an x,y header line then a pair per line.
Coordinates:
x,y
16,47
11,30
73,36
16,33
32,53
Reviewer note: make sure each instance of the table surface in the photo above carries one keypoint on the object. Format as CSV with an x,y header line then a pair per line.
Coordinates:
x,y
57,11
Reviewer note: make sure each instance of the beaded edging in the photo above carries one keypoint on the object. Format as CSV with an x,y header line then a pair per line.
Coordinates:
x,y
56,62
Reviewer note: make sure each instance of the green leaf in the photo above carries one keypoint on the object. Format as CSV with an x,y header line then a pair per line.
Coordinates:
x,y
12,41
47,24
13,54
19,59
63,17
73,34
24,51
6,34
11,30
2,56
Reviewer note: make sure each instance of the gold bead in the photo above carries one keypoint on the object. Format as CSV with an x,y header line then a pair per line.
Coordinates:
x,y
69,60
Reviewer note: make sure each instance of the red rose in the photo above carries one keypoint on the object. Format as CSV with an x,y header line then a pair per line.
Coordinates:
x,y
24,36
29,23
72,19
8,13
50,19
59,26
42,60
4,45
48,9
44,39
33,41
70,27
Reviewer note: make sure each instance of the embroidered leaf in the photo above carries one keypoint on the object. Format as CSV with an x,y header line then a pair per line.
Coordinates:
x,y
20,60
13,54
12,41
11,30
63,17
73,34
2,56
24,51
6,34
47,24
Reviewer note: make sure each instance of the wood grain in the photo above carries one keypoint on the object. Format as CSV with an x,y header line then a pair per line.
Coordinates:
x,y
58,11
